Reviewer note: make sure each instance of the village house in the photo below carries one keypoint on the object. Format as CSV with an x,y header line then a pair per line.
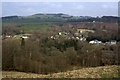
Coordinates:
x,y
25,36
81,38
95,42
112,42
52,37
108,42
8,36
60,33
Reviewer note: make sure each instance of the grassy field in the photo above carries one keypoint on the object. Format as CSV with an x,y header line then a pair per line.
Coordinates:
x,y
29,27
84,30
93,72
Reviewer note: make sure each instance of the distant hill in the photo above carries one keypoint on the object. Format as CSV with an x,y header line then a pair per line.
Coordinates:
x,y
37,18
40,16
49,16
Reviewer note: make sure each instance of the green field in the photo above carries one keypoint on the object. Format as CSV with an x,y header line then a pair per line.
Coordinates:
x,y
28,27
86,30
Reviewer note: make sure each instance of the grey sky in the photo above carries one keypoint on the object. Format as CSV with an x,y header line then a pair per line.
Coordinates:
x,y
71,8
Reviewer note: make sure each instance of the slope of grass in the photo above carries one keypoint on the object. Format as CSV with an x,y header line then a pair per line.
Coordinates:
x,y
93,72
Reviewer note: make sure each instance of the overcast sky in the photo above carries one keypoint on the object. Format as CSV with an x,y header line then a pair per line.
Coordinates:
x,y
71,8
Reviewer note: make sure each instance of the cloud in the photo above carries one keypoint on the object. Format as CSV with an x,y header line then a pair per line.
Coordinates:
x,y
30,10
72,8
53,5
105,6
59,0
109,6
80,7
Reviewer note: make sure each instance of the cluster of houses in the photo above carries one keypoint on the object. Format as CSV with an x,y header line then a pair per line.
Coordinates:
x,y
112,42
66,35
79,34
16,36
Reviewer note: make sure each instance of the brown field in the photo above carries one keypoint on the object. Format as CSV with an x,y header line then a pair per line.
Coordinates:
x,y
93,72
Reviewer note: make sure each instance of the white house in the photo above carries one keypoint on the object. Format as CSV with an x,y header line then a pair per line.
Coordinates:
x,y
60,33
95,42
98,42
77,37
52,37
25,37
81,31
92,42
